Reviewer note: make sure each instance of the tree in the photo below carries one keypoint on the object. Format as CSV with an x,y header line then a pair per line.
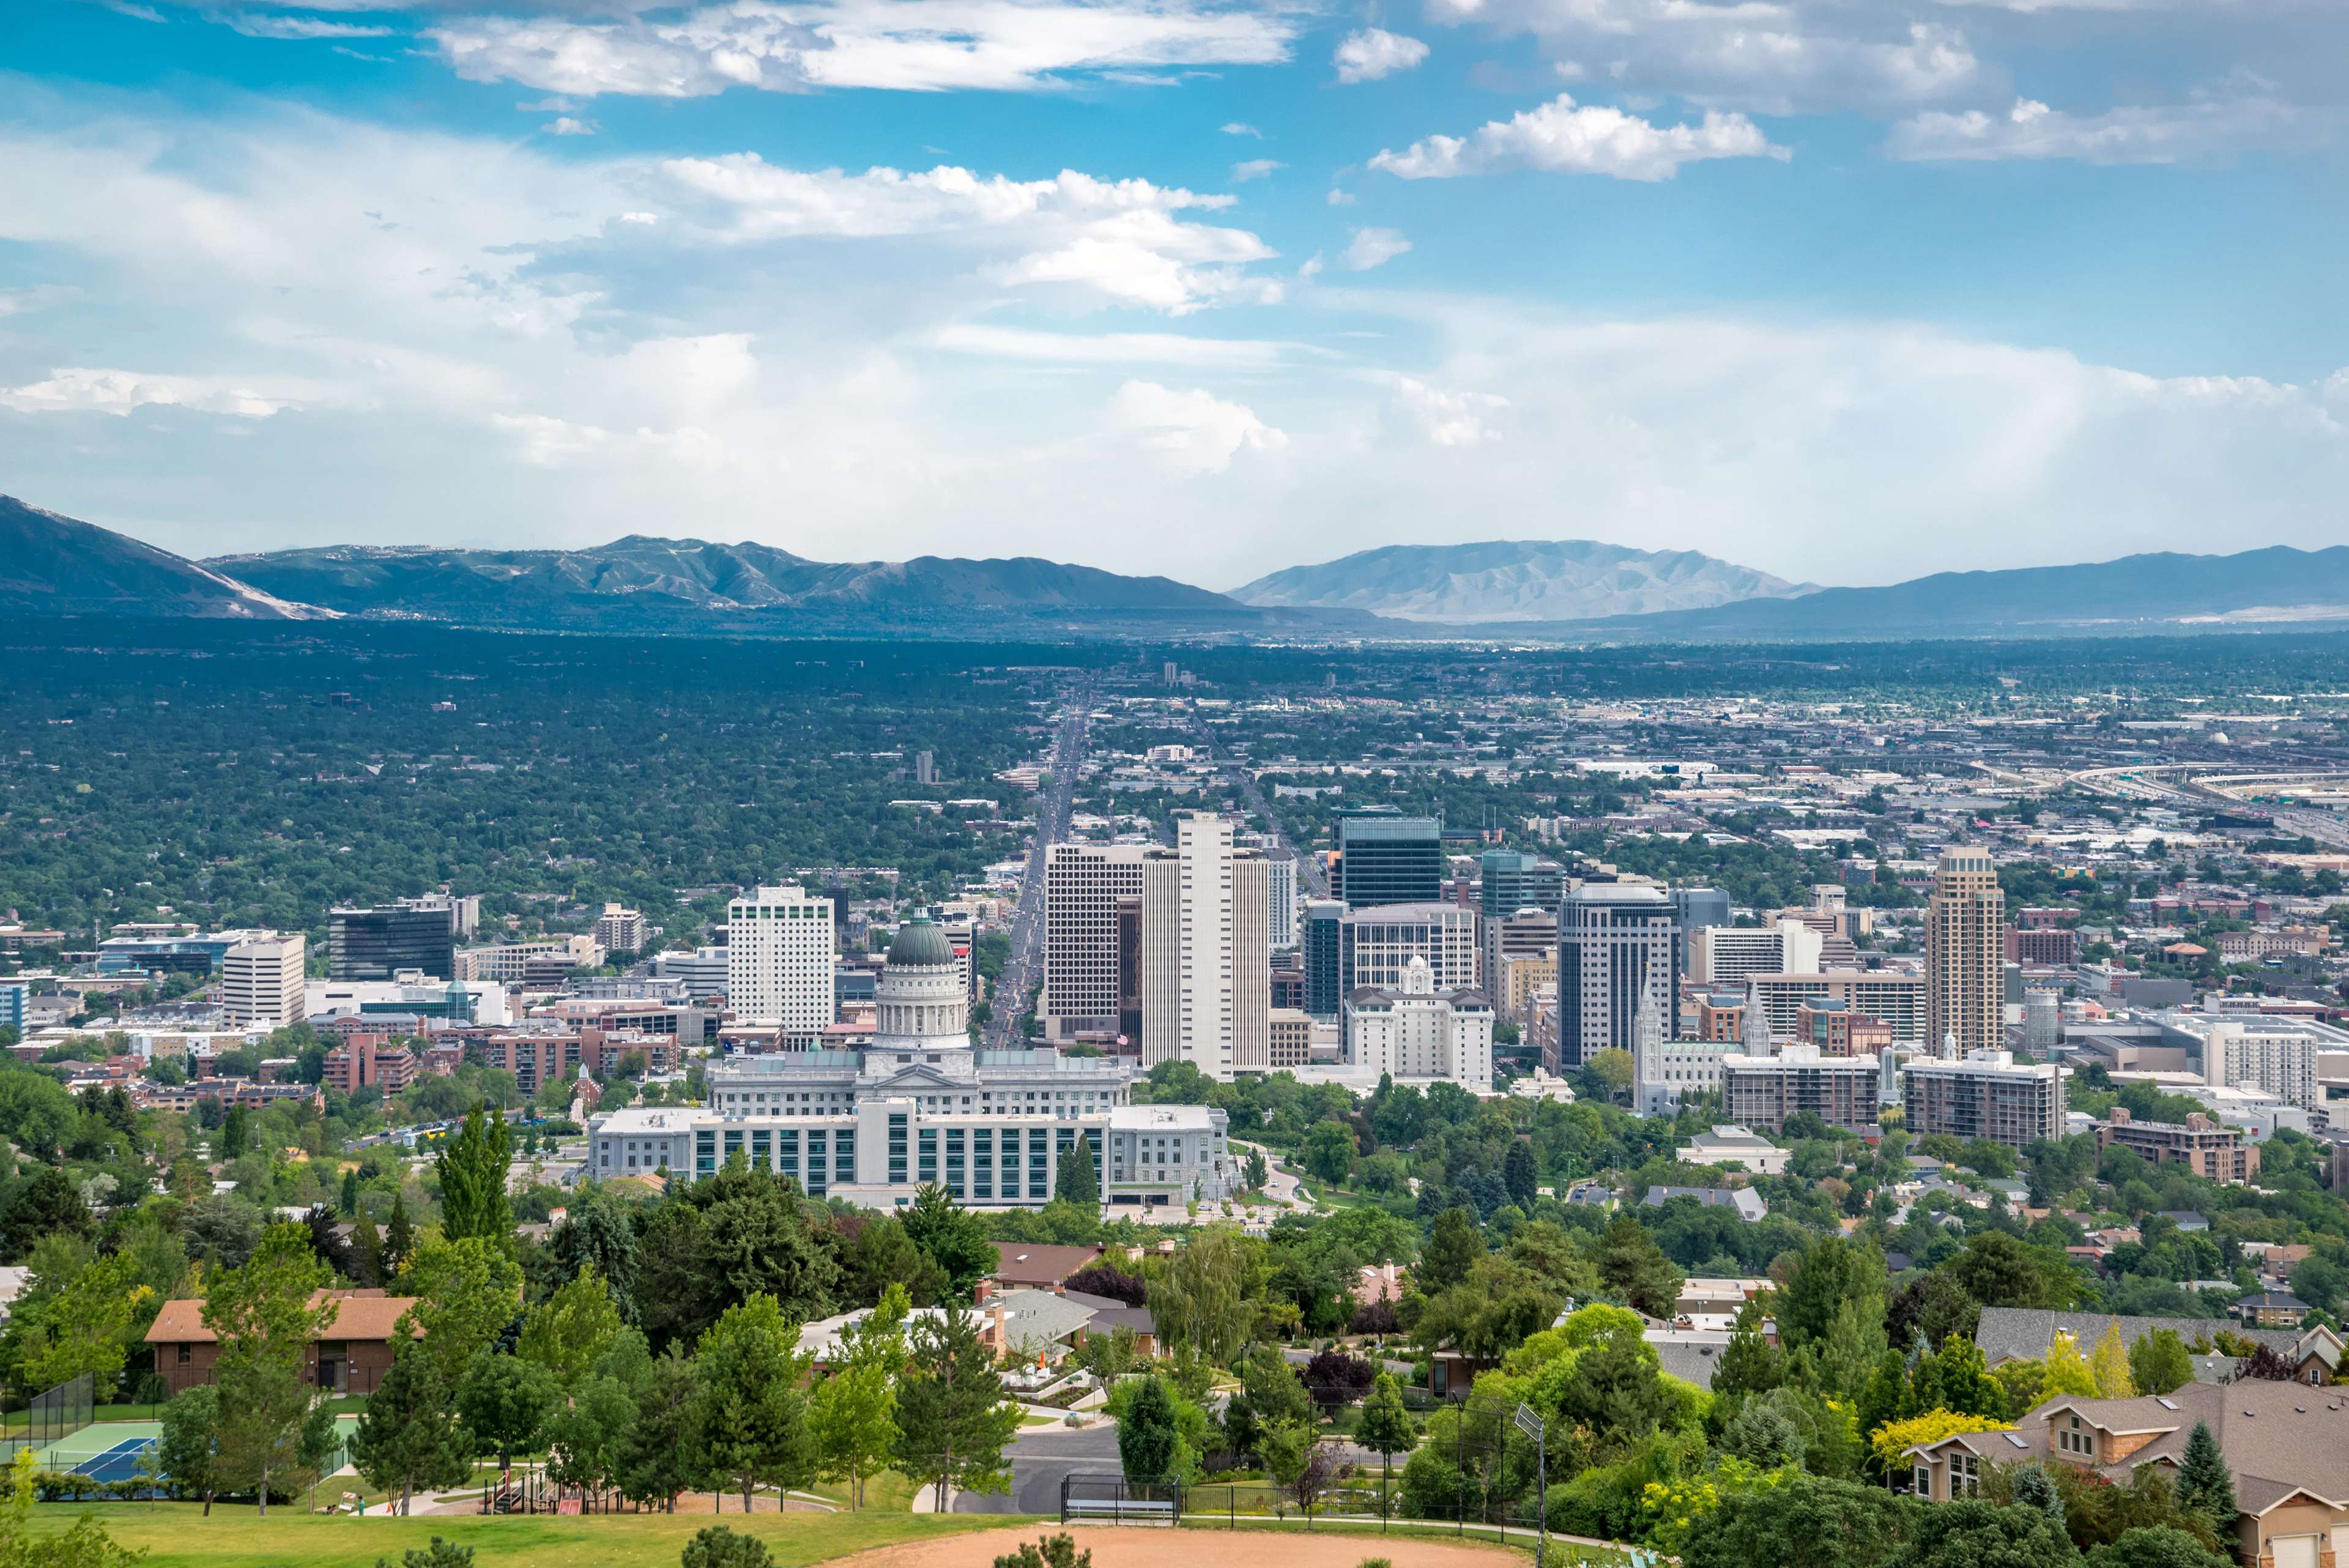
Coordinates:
x,y
235,1133
1078,1180
472,1167
1999,1271
953,1237
1386,1429
503,1401
2159,1362
439,1554
1749,1363
1047,1552
1335,1378
1972,1534
1809,1519
1617,1389
398,1237
2205,1483
1201,1300
1891,1442
366,1250
1452,1247
717,1546
2068,1370
1259,1171
48,1205
1635,1268
853,1413
1329,1152
1517,1174
84,1545
82,1328
568,1332
2111,1365
2034,1487
654,1464
270,1426
751,1418
596,1234
467,1291
2156,1546
952,1418
407,1439
1149,1435
189,1451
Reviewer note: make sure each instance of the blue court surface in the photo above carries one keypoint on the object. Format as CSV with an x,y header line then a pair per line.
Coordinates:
x,y
118,1463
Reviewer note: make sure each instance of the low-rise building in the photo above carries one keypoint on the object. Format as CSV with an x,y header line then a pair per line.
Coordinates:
x,y
1765,1091
348,1356
2203,1145
1737,1147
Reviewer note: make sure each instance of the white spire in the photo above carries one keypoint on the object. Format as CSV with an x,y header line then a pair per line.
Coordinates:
x,y
1950,1046
1754,1029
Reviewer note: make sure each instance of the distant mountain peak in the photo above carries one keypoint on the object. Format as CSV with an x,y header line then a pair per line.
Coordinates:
x,y
1499,581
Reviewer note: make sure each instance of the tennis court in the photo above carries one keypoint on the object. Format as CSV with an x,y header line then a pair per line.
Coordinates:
x,y
118,1463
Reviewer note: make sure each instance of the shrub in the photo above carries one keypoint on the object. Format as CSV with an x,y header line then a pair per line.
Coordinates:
x,y
1049,1551
716,1546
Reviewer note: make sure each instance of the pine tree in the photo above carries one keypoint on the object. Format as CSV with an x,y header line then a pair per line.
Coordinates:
x,y
1452,1247
1633,1266
2205,1484
408,1440
399,1238
953,1420
472,1167
1078,1181
350,1203
366,1249
2034,1488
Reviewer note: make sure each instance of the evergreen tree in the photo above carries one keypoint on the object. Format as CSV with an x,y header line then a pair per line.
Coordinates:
x,y
472,1168
2205,1484
1634,1267
750,1417
2034,1488
1078,1180
1451,1250
1386,1429
270,1431
189,1451
399,1238
654,1454
1149,1433
952,1418
503,1401
407,1439
235,1133
366,1250
953,1237
350,1202
1749,1363
1517,1174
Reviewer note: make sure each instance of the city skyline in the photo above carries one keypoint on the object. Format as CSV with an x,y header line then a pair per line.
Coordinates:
x,y
1846,295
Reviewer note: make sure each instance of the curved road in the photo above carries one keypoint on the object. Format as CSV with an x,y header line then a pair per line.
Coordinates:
x,y
1024,967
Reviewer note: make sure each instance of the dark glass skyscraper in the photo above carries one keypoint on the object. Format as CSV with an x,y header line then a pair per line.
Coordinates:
x,y
1324,928
376,944
1694,909
1384,858
1512,879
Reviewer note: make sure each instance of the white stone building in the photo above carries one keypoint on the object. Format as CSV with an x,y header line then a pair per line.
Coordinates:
x,y
1415,1033
778,951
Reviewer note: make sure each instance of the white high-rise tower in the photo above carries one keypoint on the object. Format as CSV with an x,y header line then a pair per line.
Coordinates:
x,y
1207,985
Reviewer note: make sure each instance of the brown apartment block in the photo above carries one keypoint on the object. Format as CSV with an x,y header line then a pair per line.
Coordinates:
x,y
350,1356
2206,1148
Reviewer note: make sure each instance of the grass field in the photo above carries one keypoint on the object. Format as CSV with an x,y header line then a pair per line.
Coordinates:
x,y
175,1535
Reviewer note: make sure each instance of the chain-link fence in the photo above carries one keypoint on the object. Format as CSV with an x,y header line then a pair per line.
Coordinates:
x,y
51,1417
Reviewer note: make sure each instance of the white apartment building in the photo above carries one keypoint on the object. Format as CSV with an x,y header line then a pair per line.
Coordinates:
x,y
1377,942
916,1105
1207,985
1884,994
2273,1055
779,952
264,982
508,963
621,931
1724,956
1415,1033
1084,884
1987,1094
702,971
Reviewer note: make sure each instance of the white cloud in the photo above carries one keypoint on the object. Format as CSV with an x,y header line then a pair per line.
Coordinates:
x,y
1254,169
1337,198
1239,127
79,389
905,45
1373,247
257,26
1447,418
2203,130
564,125
1118,347
1560,137
1372,53
1770,56
1195,430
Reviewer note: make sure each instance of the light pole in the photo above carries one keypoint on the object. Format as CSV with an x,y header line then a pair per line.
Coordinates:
x,y
1531,1426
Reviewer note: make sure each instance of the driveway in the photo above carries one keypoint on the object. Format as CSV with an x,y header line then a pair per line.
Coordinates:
x,y
1041,1458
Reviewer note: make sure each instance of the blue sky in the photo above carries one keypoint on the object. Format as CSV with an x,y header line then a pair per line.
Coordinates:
x,y
1845,291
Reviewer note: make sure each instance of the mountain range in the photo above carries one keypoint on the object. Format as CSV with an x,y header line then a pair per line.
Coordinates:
x,y
1562,591
1523,580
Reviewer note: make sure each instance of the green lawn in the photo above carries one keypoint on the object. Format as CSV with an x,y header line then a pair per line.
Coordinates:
x,y
175,1536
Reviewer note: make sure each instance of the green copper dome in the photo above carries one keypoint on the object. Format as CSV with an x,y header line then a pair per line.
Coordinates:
x,y
920,944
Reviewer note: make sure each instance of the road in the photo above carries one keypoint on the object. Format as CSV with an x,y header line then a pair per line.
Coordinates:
x,y
1310,867
1023,968
2195,787
1041,1458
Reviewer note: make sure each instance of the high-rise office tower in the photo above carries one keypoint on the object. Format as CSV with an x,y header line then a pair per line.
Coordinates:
x,y
1510,879
1376,945
1965,956
1385,857
1325,969
779,952
1280,882
1083,886
1696,908
1207,988
263,980
1617,942
925,768
379,943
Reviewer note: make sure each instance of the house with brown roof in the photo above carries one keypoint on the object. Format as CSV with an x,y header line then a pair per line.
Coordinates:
x,y
1024,1266
2287,1443
349,1355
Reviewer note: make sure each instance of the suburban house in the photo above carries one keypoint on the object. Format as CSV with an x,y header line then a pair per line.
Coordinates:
x,y
2270,1309
1747,1203
349,1355
2287,1445
2024,1334
1038,1267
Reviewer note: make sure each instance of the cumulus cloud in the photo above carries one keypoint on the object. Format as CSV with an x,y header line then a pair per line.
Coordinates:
x,y
1254,169
1195,430
2202,130
904,45
1372,52
1240,127
1374,247
1445,417
1562,137
566,126
79,389
1769,56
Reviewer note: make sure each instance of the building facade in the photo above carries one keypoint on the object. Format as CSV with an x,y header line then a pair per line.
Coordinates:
x,y
1892,998
383,942
779,956
1207,991
2206,1148
1280,902
1618,944
1415,1033
264,982
1764,1091
1965,956
1376,943
1325,972
1726,955
1084,885
1384,858
1988,1095
619,930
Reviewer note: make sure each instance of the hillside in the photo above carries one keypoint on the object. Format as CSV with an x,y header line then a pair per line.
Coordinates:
x,y
51,565
1503,581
